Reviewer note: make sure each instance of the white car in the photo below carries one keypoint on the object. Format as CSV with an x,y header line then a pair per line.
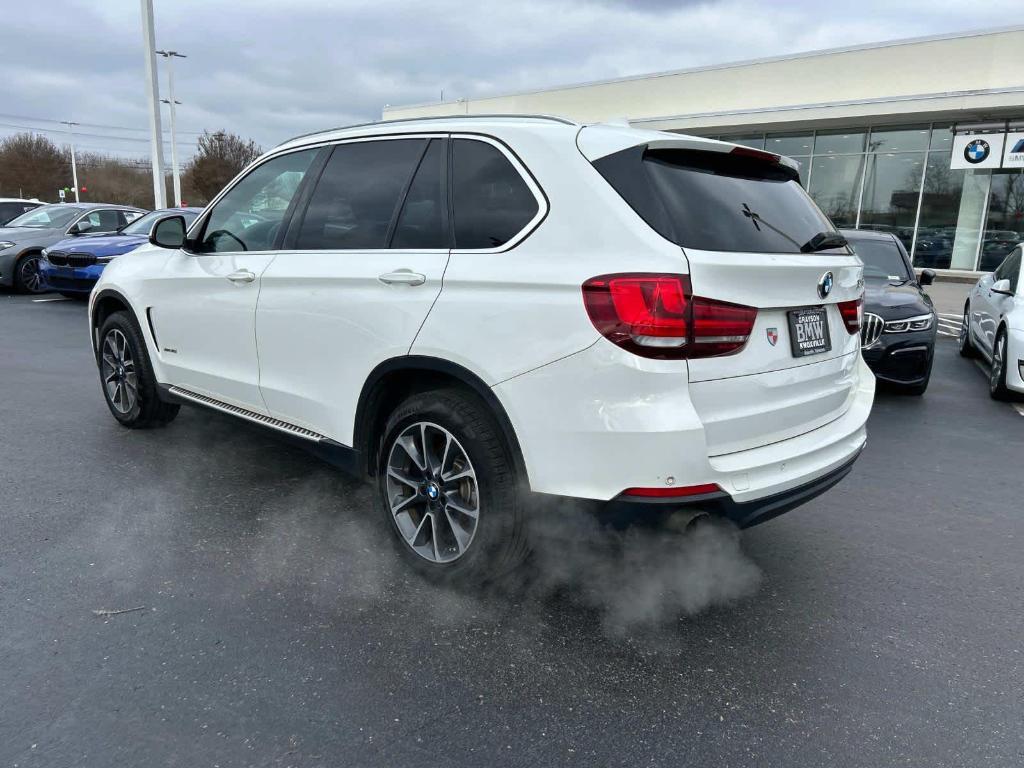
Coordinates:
x,y
993,327
476,311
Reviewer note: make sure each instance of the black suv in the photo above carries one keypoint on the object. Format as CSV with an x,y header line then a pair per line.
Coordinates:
x,y
898,332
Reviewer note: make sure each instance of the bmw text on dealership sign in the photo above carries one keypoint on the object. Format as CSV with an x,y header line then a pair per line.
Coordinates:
x,y
1014,155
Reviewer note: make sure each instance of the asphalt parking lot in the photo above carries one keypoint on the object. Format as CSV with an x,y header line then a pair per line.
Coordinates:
x,y
882,624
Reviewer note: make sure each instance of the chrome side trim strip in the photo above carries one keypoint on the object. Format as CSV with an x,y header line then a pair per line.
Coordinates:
x,y
258,418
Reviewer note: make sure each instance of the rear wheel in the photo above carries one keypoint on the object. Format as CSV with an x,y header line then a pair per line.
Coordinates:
x,y
964,342
448,486
26,275
129,386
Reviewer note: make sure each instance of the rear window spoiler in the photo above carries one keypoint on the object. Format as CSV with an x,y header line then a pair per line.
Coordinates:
x,y
597,141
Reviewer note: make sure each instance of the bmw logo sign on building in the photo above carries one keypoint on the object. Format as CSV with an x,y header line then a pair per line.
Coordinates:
x,y
977,151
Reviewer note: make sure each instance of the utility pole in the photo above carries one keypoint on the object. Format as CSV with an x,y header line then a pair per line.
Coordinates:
x,y
170,56
74,169
156,137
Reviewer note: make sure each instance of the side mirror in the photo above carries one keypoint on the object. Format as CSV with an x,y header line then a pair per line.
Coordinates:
x,y
1001,287
927,277
79,229
168,232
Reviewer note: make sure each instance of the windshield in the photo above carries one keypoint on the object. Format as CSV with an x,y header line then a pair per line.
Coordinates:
x,y
717,201
882,259
49,216
143,224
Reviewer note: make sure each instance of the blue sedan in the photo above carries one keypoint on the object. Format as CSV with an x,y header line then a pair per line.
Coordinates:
x,y
73,266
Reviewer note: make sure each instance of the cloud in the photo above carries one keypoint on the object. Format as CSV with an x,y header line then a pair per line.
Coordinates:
x,y
270,70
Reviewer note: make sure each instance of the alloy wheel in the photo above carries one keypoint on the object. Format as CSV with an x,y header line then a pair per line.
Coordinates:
x,y
964,338
30,277
117,368
432,492
998,353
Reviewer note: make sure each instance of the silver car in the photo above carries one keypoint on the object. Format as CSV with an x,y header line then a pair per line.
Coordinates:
x,y
22,240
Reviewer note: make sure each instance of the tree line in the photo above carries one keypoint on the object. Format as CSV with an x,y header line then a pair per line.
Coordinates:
x,y
33,166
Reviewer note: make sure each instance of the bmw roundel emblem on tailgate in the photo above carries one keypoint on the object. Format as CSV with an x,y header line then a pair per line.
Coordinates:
x,y
825,285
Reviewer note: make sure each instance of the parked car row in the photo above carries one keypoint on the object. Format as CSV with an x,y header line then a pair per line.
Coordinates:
x,y
82,237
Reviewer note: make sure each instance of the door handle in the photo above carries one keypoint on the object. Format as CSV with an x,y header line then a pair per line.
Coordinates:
x,y
241,276
402,277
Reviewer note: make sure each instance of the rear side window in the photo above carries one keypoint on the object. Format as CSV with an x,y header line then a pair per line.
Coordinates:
x,y
358,195
716,201
423,222
491,202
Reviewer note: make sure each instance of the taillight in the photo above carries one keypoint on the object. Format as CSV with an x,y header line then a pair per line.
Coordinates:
x,y
656,315
853,313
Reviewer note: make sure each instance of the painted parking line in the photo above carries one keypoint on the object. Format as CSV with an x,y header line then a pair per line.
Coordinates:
x,y
1019,408
950,316
949,335
58,298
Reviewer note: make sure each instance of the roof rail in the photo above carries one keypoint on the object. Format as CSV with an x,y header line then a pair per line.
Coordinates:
x,y
552,118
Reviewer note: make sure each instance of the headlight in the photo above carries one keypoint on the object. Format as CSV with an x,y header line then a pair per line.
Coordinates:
x,y
6,244
919,323
105,259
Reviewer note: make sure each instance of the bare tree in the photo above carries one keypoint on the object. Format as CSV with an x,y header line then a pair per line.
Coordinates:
x,y
33,166
218,159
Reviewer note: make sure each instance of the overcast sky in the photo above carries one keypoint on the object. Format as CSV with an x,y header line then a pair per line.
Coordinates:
x,y
271,69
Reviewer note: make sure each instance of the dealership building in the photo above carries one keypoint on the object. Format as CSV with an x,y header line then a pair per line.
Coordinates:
x,y
923,138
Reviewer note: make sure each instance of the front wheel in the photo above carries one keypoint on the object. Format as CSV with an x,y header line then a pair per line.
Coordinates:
x,y
449,489
129,386
997,375
27,278
964,342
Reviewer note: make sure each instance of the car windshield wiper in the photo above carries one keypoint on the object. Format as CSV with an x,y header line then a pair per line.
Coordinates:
x,y
823,241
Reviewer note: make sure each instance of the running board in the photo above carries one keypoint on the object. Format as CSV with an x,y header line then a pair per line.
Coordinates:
x,y
258,418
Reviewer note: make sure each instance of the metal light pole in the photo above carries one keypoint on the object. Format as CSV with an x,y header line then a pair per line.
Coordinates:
x,y
74,169
156,137
170,56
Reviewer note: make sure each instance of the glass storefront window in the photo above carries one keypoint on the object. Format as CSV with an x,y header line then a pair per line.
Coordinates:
x,y
790,144
940,207
835,186
755,140
891,189
899,139
1004,225
839,142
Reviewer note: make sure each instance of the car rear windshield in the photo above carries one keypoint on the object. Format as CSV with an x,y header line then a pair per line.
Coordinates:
x,y
716,201
882,259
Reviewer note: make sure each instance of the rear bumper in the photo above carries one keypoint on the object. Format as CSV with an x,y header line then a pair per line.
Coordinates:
x,y
744,514
594,424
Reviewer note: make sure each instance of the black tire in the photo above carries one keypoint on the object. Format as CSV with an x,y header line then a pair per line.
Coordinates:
x,y
498,542
145,409
997,373
964,342
26,274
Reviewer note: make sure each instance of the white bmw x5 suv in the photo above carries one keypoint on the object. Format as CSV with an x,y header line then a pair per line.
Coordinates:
x,y
474,310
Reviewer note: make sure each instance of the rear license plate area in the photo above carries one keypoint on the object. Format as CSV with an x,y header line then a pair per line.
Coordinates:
x,y
808,331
